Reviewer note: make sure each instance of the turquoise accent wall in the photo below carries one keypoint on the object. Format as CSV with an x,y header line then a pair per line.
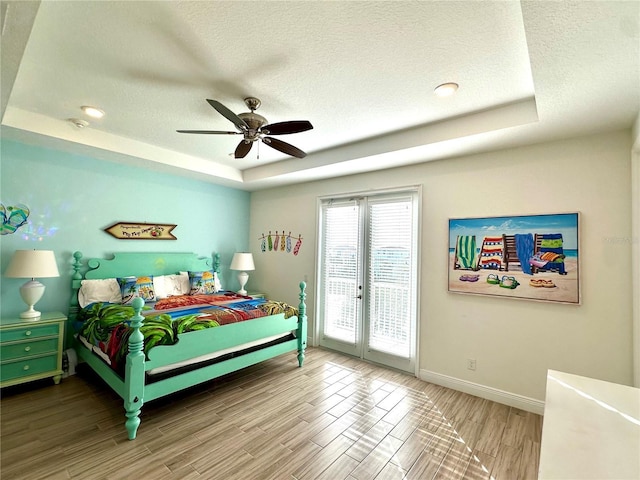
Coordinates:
x,y
72,198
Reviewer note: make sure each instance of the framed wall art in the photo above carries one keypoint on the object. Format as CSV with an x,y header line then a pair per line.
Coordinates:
x,y
531,257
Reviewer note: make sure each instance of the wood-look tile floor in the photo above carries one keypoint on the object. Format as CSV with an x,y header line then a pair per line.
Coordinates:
x,y
334,418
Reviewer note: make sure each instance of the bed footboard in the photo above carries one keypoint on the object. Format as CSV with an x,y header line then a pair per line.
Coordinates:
x,y
134,383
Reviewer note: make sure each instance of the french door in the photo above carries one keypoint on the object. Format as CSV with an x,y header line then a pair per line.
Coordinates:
x,y
368,277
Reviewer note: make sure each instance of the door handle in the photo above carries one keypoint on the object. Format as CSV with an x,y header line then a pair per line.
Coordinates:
x,y
359,297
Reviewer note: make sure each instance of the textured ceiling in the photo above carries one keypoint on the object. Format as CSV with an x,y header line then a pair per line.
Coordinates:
x,y
362,73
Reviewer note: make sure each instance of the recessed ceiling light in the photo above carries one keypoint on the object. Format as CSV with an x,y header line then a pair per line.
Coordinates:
x,y
446,89
93,111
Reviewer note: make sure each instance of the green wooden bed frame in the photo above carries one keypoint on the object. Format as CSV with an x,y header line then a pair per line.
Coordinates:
x,y
133,387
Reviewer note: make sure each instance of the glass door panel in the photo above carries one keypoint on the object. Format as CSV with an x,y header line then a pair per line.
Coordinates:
x,y
340,276
391,282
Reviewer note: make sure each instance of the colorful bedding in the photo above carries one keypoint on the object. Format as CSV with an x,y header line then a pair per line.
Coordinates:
x,y
106,326
221,298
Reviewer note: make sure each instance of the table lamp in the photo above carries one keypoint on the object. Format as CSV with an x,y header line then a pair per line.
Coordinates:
x,y
32,264
242,261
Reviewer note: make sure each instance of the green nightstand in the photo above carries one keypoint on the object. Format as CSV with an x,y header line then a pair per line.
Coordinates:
x,y
31,349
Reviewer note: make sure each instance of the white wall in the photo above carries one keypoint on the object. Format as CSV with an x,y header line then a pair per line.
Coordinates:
x,y
513,341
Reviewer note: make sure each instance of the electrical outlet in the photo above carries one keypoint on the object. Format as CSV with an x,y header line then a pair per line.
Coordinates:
x,y
471,363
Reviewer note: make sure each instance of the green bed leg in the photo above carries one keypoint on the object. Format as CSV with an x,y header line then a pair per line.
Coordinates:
x,y
134,372
302,324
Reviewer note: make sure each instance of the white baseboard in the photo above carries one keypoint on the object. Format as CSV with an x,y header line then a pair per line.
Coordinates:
x,y
506,398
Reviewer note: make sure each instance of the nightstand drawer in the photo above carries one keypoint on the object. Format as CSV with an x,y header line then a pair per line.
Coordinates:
x,y
31,366
28,348
28,331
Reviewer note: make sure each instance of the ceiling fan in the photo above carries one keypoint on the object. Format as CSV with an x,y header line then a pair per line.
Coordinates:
x,y
254,127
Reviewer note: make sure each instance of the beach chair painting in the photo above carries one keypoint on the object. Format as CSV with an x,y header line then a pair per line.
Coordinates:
x,y
518,250
548,253
526,257
465,255
491,253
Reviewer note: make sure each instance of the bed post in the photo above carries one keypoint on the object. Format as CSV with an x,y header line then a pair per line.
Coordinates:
x,y
302,324
216,263
134,372
76,280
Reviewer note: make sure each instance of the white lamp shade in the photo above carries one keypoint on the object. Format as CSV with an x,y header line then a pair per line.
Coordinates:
x,y
32,264
242,261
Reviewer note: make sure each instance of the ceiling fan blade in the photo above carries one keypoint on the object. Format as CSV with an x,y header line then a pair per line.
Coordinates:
x,y
214,132
283,128
242,149
229,115
284,147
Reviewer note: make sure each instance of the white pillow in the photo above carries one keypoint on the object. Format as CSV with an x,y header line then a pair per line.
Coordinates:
x,y
103,290
159,286
179,283
170,285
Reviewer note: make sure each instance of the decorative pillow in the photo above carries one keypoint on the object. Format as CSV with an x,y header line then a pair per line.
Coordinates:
x,y
178,284
171,285
201,282
128,289
145,288
132,287
100,290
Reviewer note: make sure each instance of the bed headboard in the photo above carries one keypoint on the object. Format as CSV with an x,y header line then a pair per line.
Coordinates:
x,y
136,264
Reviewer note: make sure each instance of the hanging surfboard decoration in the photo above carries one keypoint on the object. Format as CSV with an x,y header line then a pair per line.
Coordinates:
x,y
296,249
141,231
280,242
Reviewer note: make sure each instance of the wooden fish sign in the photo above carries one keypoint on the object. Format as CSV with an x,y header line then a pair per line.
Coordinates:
x,y
141,231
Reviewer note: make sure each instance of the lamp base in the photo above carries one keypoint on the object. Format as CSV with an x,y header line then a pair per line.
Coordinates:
x,y
30,314
242,278
31,292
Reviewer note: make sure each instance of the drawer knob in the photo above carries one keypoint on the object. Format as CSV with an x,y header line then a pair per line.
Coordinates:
x,y
26,367
26,349
27,333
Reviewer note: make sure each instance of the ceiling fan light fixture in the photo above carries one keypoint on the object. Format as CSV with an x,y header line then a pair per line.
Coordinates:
x,y
93,112
446,89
